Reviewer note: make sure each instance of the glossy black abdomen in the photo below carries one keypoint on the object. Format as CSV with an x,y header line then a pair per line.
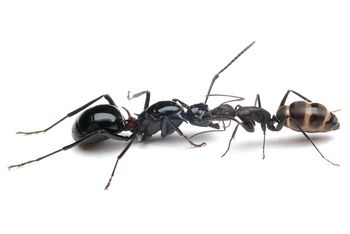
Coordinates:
x,y
96,118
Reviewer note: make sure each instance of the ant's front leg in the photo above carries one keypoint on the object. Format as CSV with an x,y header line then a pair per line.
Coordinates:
x,y
177,129
280,124
248,126
106,96
271,124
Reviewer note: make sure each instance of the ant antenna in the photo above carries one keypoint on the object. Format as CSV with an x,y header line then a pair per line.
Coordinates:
x,y
236,98
336,110
229,64
220,130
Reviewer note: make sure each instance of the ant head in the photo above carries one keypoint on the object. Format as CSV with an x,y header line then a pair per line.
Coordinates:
x,y
199,115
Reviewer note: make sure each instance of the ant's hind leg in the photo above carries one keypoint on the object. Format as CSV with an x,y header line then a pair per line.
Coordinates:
x,y
67,147
106,96
307,137
296,93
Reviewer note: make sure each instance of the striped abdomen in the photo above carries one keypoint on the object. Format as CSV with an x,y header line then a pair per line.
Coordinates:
x,y
311,117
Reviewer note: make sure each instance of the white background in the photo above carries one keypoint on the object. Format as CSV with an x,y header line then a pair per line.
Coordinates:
x,y
56,56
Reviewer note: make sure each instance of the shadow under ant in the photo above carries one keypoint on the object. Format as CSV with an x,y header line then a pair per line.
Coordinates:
x,y
282,142
110,146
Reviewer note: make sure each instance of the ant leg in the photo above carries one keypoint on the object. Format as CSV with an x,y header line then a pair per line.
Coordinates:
x,y
218,130
132,139
106,96
263,127
148,97
229,143
236,98
200,133
63,148
224,125
264,145
248,126
257,100
177,129
298,94
279,125
229,64
304,133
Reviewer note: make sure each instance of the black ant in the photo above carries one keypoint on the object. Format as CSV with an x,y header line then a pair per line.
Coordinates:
x,y
302,116
102,122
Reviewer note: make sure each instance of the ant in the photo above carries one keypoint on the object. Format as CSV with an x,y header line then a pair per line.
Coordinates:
x,y
302,116
103,122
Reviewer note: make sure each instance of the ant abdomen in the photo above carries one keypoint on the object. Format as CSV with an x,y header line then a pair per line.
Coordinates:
x,y
96,118
311,117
